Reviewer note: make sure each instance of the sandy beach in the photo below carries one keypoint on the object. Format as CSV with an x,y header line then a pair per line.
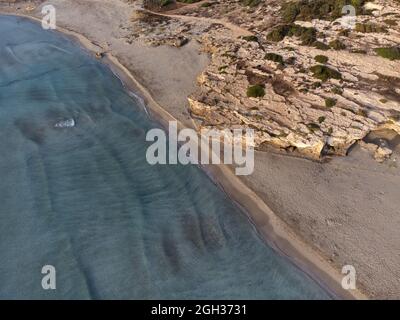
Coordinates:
x,y
321,215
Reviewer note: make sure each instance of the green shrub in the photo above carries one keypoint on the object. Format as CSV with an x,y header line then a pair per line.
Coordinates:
x,y
256,91
274,57
321,59
391,53
369,28
330,102
307,10
321,119
325,73
308,36
164,3
337,45
278,33
250,3
359,51
313,127
321,46
290,11
289,49
250,38
337,90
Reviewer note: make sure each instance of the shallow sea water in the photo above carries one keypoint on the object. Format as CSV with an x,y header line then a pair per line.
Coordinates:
x,y
84,199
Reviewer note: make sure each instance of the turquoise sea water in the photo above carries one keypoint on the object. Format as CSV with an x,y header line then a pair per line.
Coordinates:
x,y
84,199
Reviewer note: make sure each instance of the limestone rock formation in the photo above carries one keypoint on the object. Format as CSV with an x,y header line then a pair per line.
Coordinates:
x,y
323,85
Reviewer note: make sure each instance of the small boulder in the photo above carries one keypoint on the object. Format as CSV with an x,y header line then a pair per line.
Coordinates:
x,y
382,153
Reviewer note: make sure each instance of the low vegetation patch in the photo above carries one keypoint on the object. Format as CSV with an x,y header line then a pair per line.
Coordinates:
x,y
189,1
250,3
325,73
307,10
321,59
256,91
321,46
337,45
250,38
274,57
164,3
337,90
359,51
369,28
206,4
278,33
391,53
313,127
330,102
308,36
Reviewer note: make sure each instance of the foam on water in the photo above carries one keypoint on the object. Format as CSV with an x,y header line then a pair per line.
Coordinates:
x,y
84,199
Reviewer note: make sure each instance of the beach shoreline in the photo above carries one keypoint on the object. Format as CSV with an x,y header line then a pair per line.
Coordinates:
x,y
276,233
